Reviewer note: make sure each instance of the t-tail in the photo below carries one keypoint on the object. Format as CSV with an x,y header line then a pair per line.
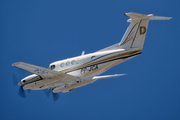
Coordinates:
x,y
136,32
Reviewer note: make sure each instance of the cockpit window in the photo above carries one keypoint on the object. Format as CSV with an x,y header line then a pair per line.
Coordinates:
x,y
52,67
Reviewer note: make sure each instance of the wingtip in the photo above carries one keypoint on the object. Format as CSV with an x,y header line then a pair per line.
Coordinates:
x,y
15,64
120,74
169,18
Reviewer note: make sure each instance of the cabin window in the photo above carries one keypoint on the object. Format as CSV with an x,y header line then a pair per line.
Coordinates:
x,y
93,57
52,67
73,62
68,63
62,65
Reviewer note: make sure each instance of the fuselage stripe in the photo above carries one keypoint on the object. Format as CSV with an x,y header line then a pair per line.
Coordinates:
x,y
105,61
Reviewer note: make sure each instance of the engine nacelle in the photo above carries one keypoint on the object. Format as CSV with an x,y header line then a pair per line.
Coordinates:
x,y
29,79
58,89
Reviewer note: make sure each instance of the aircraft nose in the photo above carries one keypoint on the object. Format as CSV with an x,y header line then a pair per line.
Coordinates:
x,y
20,83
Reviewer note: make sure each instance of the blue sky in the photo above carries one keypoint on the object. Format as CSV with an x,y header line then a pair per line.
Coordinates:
x,y
43,31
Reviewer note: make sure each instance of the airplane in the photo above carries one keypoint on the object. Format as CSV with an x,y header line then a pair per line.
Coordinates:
x,y
68,74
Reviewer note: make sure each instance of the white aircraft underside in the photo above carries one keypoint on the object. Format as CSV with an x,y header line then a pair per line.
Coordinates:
x,y
66,75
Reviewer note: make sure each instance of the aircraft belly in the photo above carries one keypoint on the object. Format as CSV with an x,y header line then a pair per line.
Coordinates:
x,y
73,86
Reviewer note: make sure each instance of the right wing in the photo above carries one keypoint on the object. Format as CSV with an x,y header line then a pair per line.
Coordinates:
x,y
107,76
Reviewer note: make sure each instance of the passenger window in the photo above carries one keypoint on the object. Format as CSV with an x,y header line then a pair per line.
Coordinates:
x,y
68,63
52,67
62,65
93,57
73,62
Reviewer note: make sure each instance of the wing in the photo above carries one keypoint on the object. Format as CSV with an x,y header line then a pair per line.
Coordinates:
x,y
107,76
44,72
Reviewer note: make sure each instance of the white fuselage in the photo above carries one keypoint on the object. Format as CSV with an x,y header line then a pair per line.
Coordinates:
x,y
84,67
87,66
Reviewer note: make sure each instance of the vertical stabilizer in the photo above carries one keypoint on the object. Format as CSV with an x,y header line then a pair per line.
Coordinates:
x,y
136,32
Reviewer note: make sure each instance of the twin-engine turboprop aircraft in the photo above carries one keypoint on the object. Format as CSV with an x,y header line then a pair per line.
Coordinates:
x,y
66,75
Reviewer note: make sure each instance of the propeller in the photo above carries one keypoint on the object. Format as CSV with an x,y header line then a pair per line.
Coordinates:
x,y
15,80
22,92
55,95
47,92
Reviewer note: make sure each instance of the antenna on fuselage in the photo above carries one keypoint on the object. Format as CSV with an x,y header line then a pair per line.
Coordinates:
x,y
83,52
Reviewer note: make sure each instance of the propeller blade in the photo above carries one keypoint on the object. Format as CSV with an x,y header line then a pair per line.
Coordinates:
x,y
29,91
22,92
47,92
15,80
55,96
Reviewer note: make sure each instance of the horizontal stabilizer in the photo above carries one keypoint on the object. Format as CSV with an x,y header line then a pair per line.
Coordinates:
x,y
107,76
136,16
160,18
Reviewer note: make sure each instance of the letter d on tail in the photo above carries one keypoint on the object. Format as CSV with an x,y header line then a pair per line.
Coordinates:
x,y
142,30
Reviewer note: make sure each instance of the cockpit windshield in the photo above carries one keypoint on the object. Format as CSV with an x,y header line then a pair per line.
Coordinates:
x,y
52,67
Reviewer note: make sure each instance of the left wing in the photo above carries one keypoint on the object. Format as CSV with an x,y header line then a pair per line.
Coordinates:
x,y
44,72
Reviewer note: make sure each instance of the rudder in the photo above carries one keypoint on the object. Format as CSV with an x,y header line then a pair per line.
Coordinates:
x,y
136,32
